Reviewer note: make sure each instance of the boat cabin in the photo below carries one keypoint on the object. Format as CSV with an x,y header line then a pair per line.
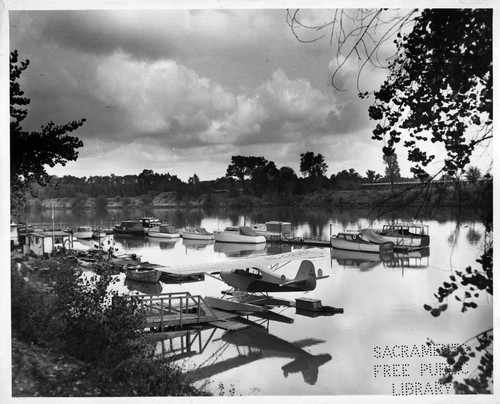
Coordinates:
x,y
45,242
149,222
406,229
349,236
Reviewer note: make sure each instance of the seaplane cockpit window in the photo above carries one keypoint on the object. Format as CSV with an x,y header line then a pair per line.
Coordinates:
x,y
254,273
250,272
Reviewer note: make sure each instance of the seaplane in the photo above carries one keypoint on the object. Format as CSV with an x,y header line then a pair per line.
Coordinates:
x,y
250,279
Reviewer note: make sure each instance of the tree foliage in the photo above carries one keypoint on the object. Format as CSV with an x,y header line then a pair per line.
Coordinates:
x,y
312,165
31,152
467,286
439,89
392,170
243,167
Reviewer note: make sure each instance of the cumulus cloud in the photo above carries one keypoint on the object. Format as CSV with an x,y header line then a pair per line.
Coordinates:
x,y
184,89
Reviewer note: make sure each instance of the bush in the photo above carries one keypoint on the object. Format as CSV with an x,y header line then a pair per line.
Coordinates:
x,y
33,311
152,377
90,322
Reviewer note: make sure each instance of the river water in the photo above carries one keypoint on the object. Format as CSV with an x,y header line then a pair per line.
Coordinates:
x,y
378,345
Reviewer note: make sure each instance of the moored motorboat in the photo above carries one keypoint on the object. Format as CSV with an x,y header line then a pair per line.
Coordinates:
x,y
196,233
361,240
83,232
142,272
238,234
136,226
163,231
406,235
273,229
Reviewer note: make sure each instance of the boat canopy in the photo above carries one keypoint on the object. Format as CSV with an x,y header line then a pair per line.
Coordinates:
x,y
372,237
202,230
247,231
167,228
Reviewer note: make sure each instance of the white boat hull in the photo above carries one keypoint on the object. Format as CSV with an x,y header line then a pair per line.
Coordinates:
x,y
196,235
226,237
354,246
83,234
158,234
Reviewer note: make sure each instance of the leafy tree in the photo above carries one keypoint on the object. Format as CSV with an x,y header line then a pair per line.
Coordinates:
x,y
372,176
473,174
392,171
242,167
439,88
346,179
287,180
312,165
194,180
30,152
263,177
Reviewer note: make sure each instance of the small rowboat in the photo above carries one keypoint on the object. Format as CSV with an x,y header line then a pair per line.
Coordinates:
x,y
142,273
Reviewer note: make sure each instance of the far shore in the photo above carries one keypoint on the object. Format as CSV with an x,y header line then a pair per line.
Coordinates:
x,y
441,197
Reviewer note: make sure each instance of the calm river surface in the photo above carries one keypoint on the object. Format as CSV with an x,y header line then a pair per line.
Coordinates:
x,y
377,346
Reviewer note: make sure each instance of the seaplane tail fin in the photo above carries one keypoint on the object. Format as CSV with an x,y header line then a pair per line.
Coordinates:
x,y
306,276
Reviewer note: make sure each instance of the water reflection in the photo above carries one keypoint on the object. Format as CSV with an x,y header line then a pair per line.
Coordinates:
x,y
196,244
163,243
252,344
365,261
417,259
143,287
238,250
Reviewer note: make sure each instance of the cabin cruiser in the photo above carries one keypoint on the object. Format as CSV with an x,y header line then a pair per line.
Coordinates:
x,y
406,235
238,234
163,231
273,229
196,233
136,226
361,240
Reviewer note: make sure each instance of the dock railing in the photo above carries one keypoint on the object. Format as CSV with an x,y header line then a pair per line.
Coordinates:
x,y
175,307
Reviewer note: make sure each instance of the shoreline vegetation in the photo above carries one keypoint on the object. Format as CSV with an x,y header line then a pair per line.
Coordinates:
x,y
73,337
442,195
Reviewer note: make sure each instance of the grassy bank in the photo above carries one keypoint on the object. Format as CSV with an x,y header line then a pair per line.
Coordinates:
x,y
72,337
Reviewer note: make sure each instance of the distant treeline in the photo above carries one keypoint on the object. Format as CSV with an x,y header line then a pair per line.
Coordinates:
x,y
151,183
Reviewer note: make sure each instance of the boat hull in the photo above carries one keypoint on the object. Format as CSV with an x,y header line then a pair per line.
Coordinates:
x,y
224,237
412,243
143,275
157,234
355,246
363,241
193,234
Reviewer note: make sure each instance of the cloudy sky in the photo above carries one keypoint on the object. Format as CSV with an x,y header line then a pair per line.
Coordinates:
x,y
181,91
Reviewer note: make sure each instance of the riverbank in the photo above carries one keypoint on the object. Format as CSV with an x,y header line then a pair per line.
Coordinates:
x,y
443,196
67,342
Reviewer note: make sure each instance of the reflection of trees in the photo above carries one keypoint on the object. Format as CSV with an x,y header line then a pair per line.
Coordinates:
x,y
473,236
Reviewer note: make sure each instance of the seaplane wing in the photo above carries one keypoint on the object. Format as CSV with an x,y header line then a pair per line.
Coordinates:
x,y
267,262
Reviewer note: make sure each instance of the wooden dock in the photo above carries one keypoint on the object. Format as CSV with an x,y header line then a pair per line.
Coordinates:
x,y
176,310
